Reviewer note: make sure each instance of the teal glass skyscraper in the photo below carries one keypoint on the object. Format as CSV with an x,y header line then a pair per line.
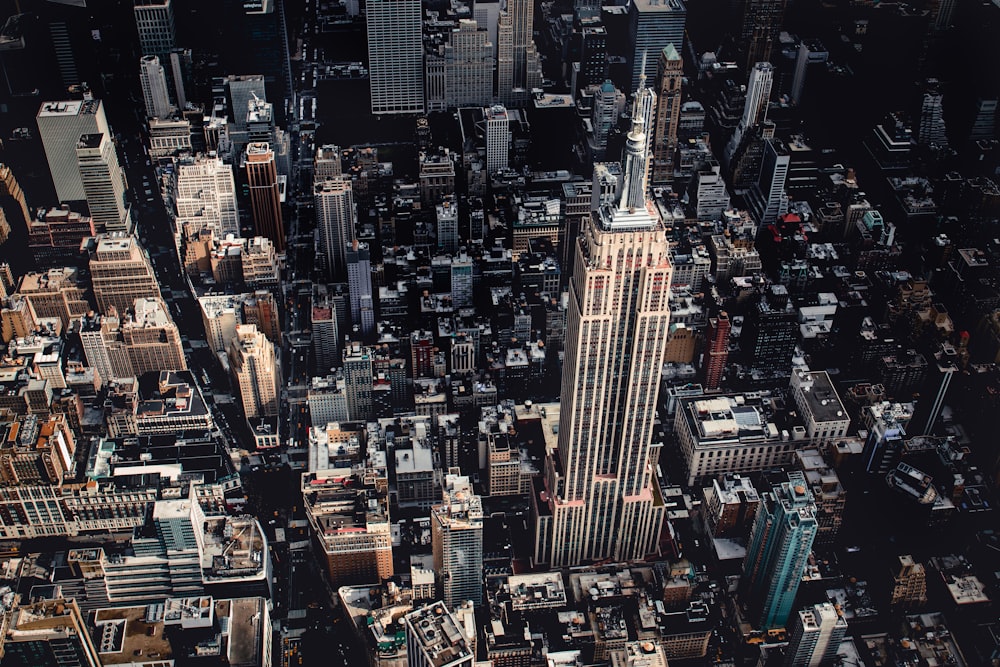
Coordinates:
x,y
780,541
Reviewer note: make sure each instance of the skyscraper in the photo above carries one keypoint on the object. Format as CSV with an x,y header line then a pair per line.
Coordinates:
x,y
780,541
457,542
17,319
60,126
487,15
103,183
256,371
261,309
653,24
468,66
255,41
716,349
505,57
120,273
932,128
761,25
755,106
334,206
984,121
601,496
180,68
350,519
265,193
609,102
240,90
770,332
103,350
707,189
593,41
522,13
326,164
395,56
154,19
461,281
817,632
518,65
767,199
206,196
324,337
151,338
358,381
359,288
221,314
497,138
669,73
155,93
446,217
909,589
758,94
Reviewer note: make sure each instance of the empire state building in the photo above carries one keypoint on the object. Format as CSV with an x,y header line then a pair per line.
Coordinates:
x,y
601,498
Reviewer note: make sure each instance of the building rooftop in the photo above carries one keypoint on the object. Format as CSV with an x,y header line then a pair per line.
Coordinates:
x,y
436,631
460,507
68,108
611,582
659,6
188,612
214,305
120,634
929,643
639,654
243,641
259,150
379,617
150,312
114,244
174,394
963,585
338,503
418,459
234,547
913,483
535,591
818,395
53,279
726,418
90,141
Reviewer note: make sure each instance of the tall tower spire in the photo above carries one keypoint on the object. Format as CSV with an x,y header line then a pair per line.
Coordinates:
x,y
636,158
634,186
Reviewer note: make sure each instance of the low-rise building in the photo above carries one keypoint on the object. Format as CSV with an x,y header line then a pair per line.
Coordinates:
x,y
730,504
379,620
909,585
823,414
49,627
639,654
735,433
350,524
435,638
829,493
172,405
